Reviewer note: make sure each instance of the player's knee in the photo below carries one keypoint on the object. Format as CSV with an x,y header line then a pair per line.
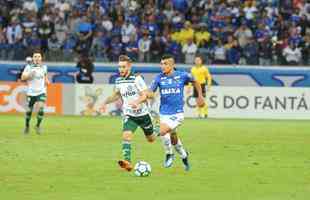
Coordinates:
x,y
174,139
150,139
127,136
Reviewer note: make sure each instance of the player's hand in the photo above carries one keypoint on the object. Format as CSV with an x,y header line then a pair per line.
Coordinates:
x,y
103,108
200,101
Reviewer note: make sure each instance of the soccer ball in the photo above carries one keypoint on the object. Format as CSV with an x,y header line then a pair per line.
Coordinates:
x,y
142,169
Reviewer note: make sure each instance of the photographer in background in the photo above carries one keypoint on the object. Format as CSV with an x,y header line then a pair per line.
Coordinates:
x,y
86,68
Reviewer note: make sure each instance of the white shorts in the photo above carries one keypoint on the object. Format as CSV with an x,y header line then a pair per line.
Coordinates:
x,y
173,121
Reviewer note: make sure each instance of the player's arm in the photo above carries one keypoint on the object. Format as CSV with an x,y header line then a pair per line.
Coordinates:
x,y
47,82
209,79
27,74
151,91
200,100
114,97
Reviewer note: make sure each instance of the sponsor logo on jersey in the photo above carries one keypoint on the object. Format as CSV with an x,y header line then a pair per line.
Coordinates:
x,y
170,91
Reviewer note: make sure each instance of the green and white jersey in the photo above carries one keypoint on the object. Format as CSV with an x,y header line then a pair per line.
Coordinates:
x,y
36,84
130,88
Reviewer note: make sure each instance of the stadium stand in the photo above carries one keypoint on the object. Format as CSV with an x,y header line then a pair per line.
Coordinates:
x,y
262,32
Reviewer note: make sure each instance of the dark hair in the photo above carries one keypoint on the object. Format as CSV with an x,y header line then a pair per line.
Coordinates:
x,y
37,51
122,58
201,57
167,56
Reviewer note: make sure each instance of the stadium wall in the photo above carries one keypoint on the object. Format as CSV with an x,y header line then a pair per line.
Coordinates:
x,y
224,102
228,76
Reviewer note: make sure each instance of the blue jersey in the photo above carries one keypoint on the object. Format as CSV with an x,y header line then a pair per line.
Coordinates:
x,y
171,90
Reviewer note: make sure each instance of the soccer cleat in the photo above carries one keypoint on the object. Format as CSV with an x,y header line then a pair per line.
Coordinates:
x,y
26,130
186,163
38,130
169,160
125,164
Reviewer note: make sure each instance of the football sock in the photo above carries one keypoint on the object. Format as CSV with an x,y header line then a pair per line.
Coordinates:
x,y
40,116
180,149
205,109
28,117
201,112
126,148
167,143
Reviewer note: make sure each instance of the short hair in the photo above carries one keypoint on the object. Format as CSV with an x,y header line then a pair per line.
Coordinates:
x,y
201,57
167,56
37,51
125,58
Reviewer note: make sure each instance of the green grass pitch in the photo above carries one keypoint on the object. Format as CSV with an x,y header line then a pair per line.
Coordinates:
x,y
76,159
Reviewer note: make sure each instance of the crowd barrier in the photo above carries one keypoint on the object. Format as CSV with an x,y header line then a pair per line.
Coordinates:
x,y
238,76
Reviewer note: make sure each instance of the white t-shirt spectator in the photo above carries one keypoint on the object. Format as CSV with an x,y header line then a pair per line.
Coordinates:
x,y
189,49
128,31
30,5
250,12
292,55
14,33
107,24
144,44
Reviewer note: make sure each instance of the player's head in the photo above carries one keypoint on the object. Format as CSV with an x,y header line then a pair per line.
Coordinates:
x,y
37,57
167,64
124,65
199,60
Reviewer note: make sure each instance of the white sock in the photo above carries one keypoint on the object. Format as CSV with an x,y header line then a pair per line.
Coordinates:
x,y
167,143
180,149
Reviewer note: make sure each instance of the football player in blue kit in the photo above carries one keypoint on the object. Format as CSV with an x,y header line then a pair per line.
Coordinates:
x,y
171,85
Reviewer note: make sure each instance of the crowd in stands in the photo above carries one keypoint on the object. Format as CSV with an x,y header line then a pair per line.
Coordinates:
x,y
251,32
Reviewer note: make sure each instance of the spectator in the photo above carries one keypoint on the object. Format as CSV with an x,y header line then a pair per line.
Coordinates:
x,y
285,20
84,35
265,53
3,43
128,31
46,29
132,49
243,35
157,49
189,50
14,35
144,45
292,54
54,45
250,51
219,53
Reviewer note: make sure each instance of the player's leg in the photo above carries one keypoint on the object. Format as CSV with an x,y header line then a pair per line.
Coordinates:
x,y
166,141
40,103
176,142
145,122
204,109
198,109
126,150
29,109
129,127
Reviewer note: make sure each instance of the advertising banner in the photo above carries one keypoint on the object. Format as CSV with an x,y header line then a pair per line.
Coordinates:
x,y
223,102
13,98
255,102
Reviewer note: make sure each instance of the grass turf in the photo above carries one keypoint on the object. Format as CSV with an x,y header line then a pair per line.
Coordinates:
x,y
76,158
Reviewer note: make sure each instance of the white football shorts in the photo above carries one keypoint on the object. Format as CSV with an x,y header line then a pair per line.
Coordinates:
x,y
173,121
